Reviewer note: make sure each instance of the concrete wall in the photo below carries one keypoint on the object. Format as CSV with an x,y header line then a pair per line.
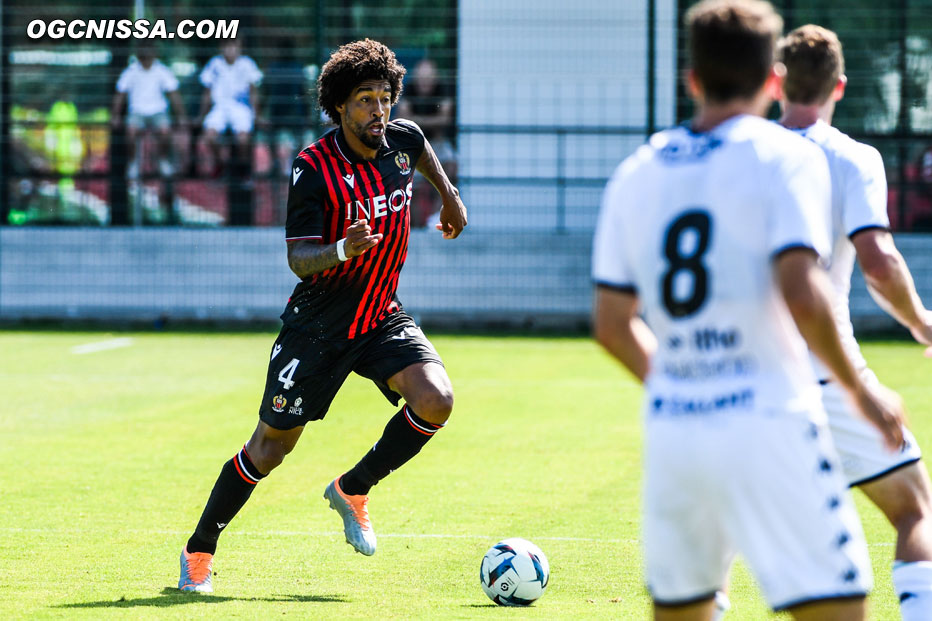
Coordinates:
x,y
241,274
142,273
484,277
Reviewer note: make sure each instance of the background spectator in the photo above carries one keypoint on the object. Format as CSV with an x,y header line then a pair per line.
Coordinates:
x,y
63,143
146,82
429,102
230,80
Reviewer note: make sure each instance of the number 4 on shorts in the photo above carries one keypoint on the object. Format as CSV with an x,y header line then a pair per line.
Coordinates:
x,y
287,373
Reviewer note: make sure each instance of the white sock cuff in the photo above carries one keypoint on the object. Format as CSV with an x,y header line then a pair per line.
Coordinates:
x,y
912,577
722,604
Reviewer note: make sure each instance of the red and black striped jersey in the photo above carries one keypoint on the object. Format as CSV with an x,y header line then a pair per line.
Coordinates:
x,y
332,187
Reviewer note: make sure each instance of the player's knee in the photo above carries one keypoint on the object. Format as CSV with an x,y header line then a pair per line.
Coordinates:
x,y
267,455
906,508
907,514
435,406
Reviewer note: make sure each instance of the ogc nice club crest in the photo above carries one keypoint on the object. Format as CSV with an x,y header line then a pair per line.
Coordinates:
x,y
403,162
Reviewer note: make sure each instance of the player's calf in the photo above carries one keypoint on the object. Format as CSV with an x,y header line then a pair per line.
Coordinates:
x,y
404,436
238,478
905,498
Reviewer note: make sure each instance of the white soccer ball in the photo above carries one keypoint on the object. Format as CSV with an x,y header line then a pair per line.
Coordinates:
x,y
514,572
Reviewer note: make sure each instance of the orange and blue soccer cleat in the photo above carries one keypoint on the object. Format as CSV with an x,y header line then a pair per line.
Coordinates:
x,y
196,571
355,513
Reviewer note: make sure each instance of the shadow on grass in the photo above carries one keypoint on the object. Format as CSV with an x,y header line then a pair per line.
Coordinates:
x,y
171,596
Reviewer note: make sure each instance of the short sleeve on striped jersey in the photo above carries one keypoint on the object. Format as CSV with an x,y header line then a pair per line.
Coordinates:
x,y
407,135
306,195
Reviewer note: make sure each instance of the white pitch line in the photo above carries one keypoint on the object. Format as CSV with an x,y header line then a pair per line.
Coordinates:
x,y
93,348
304,533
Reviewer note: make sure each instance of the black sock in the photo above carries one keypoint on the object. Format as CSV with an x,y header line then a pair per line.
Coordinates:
x,y
404,436
237,479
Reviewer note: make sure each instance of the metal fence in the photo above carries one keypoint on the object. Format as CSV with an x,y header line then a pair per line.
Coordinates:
x,y
544,99
66,162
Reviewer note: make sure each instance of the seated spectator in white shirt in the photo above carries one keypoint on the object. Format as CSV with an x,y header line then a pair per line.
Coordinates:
x,y
230,81
145,83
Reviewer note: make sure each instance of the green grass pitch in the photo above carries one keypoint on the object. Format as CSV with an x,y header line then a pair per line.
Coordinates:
x,y
108,457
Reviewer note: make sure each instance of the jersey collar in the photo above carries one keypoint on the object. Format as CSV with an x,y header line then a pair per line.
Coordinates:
x,y
732,120
350,156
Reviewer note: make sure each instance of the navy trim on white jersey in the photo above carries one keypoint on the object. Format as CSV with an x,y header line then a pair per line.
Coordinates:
x,y
890,470
625,288
867,227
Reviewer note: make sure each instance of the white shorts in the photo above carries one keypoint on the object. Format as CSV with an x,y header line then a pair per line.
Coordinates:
x,y
229,114
769,487
859,444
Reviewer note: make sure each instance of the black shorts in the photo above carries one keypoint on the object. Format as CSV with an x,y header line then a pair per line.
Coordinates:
x,y
305,373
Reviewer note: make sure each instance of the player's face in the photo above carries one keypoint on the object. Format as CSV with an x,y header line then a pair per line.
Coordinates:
x,y
366,112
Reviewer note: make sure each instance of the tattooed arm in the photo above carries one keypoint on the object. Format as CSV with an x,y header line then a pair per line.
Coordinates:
x,y
305,258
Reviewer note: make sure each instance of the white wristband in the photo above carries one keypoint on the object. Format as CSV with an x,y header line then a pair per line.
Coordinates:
x,y
341,252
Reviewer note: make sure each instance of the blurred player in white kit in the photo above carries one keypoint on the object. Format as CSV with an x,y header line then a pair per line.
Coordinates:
x,y
897,482
714,231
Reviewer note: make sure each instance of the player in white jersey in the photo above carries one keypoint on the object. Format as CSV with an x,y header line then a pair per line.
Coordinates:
x,y
146,83
230,82
897,483
712,232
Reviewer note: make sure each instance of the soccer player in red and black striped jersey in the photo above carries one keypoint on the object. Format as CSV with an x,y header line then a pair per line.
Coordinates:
x,y
347,236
